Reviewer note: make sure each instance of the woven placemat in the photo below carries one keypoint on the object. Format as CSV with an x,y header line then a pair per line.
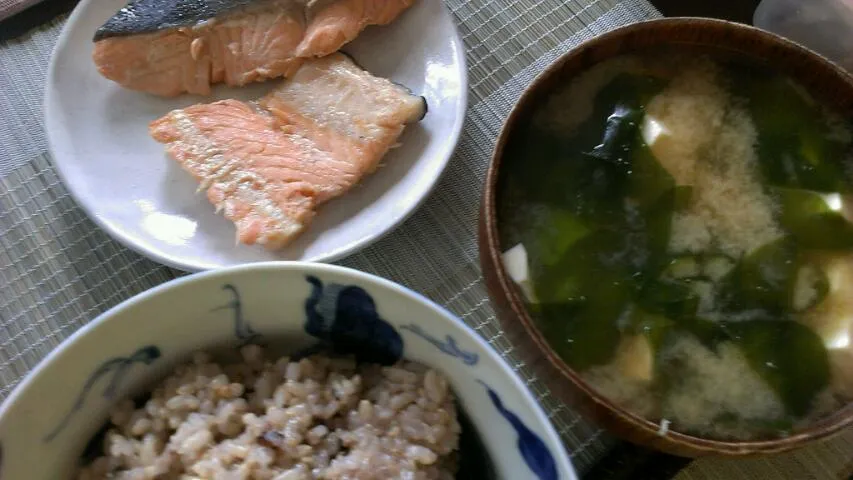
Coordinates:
x,y
830,460
62,271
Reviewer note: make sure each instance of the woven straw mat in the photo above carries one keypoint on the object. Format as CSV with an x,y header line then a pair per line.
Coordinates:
x,y
58,270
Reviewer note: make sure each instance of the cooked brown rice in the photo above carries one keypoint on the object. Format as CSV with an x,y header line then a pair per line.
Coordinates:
x,y
319,417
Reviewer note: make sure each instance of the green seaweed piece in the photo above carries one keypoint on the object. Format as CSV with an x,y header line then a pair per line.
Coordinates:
x,y
582,272
584,334
589,171
616,206
620,133
767,275
811,221
643,177
603,177
796,147
557,231
708,332
582,301
658,228
764,279
627,249
674,299
548,166
789,356
649,180
588,290
654,326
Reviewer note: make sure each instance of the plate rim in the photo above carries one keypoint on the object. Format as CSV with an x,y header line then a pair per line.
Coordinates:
x,y
129,241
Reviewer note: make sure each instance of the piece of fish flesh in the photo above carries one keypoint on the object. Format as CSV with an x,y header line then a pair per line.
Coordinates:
x,y
344,109
170,47
268,165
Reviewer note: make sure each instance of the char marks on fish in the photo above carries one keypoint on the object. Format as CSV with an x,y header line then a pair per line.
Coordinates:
x,y
168,48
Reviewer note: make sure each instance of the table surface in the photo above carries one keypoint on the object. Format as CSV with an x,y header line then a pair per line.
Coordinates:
x,y
619,460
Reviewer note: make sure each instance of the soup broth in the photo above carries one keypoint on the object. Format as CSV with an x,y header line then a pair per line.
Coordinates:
x,y
684,223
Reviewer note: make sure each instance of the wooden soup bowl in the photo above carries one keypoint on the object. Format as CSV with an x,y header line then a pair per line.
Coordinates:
x,y
824,80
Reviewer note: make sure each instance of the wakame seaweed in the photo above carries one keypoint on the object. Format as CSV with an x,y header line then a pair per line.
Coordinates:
x,y
808,216
789,356
587,172
653,326
595,213
604,249
612,230
796,146
585,337
763,279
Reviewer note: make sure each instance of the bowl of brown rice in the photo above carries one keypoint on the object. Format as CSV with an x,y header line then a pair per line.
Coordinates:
x,y
281,370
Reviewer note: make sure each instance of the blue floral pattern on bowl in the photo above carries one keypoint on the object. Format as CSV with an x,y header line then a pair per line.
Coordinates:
x,y
448,346
344,318
242,330
533,450
118,368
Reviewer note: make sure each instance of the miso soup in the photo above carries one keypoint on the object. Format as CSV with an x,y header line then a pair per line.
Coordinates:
x,y
685,226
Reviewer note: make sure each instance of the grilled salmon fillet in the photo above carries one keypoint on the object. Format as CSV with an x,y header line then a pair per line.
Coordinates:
x,y
341,21
268,165
344,109
167,48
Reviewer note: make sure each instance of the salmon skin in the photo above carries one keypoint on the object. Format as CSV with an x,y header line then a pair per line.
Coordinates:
x,y
168,47
145,16
268,165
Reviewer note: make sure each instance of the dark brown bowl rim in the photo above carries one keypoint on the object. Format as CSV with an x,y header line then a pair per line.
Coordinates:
x,y
820,430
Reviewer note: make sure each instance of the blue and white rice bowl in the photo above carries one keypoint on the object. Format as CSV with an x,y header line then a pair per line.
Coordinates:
x,y
288,308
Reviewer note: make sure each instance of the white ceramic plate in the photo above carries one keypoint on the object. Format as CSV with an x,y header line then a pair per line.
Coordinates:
x,y
98,134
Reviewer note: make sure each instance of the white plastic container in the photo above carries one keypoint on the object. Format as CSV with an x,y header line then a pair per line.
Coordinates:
x,y
825,26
